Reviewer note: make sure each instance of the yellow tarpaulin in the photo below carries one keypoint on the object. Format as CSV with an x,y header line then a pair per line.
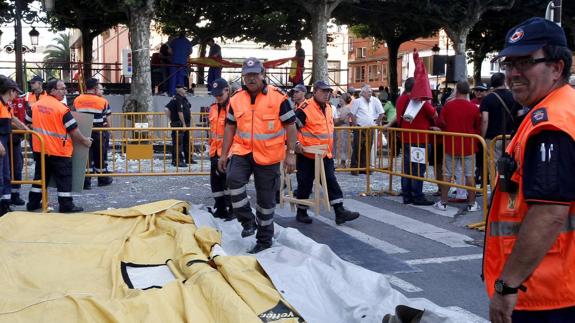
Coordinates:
x,y
80,268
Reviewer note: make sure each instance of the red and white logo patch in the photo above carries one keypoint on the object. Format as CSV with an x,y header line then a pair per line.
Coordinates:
x,y
215,85
250,63
517,35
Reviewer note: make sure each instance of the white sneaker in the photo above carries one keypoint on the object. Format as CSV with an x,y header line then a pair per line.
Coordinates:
x,y
473,207
440,206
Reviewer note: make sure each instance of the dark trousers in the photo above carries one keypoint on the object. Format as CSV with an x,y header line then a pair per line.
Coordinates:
x,y
178,75
562,315
178,146
214,73
17,160
218,183
306,175
98,156
412,188
61,169
358,159
5,186
266,179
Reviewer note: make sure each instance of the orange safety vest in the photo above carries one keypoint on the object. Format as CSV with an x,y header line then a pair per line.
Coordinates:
x,y
47,120
217,126
318,128
552,284
5,118
31,97
259,128
92,104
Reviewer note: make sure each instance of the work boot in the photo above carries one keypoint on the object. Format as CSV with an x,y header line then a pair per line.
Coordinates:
x,y
220,213
88,183
303,217
31,206
230,215
249,229
105,181
260,246
16,200
342,215
71,209
5,207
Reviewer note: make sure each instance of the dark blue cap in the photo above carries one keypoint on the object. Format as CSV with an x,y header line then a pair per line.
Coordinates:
x,y
218,86
481,86
300,88
531,35
252,65
36,78
321,85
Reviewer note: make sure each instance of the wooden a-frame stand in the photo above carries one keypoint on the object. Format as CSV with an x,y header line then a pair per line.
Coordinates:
x,y
319,193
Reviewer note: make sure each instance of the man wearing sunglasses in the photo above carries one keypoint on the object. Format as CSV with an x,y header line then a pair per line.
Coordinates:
x,y
529,252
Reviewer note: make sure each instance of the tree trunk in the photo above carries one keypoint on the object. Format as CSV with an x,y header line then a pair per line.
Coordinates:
x,y
393,50
319,19
459,39
87,47
200,74
478,58
140,99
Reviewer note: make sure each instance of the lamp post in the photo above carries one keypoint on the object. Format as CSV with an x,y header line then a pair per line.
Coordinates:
x,y
16,46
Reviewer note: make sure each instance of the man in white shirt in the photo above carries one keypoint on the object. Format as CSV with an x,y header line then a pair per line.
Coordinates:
x,y
366,111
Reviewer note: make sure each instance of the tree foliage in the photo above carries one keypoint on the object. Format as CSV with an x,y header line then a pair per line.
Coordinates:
x,y
91,17
388,23
57,57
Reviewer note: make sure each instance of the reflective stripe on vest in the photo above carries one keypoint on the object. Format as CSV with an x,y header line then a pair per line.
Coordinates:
x,y
217,118
318,128
511,229
47,116
551,284
259,128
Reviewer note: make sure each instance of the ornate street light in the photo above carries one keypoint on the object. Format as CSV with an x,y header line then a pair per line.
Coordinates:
x,y
34,35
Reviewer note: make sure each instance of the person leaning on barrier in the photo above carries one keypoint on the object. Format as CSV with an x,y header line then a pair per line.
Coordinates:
x,y
217,117
8,92
175,112
93,103
366,111
258,119
529,254
314,120
53,121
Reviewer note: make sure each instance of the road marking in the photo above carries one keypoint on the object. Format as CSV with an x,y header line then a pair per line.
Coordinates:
x,y
450,212
469,317
365,238
441,260
449,238
404,285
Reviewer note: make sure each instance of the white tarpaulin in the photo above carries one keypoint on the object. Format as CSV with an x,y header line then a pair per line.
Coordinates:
x,y
321,286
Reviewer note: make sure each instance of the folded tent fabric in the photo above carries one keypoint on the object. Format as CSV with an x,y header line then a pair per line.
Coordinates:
x,y
67,268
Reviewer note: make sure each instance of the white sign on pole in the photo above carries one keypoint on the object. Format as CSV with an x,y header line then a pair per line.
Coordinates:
x,y
127,62
417,155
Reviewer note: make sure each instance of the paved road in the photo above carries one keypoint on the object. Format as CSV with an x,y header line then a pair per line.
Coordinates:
x,y
426,253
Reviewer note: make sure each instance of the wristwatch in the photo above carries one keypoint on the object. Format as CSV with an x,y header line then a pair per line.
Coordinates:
x,y
503,289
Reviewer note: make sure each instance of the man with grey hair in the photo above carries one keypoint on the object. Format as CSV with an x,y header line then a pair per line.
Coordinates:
x,y
366,111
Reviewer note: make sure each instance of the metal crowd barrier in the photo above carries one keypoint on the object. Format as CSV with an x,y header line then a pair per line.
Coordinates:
x,y
148,152
391,162
27,175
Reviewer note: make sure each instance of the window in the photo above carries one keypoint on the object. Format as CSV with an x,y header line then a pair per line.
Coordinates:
x,y
361,52
384,70
359,74
494,66
350,45
373,73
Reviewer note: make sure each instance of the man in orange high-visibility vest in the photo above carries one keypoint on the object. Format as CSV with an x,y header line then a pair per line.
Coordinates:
x,y
258,119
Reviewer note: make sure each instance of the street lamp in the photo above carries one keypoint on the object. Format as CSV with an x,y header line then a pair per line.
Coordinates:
x,y
34,35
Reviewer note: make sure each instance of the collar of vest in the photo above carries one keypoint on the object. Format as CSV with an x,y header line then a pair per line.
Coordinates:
x,y
321,105
223,105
